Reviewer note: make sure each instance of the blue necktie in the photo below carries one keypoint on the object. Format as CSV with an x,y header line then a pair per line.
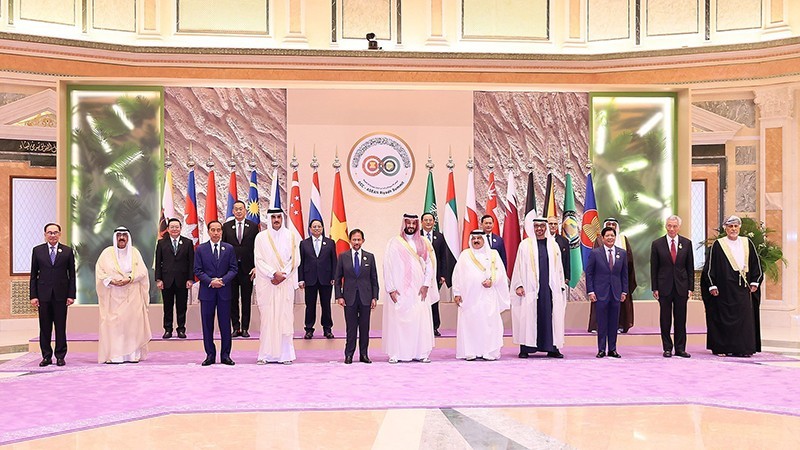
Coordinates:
x,y
216,252
52,255
356,264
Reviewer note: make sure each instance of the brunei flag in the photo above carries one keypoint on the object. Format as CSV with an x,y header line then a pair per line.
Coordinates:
x,y
338,217
590,225
549,209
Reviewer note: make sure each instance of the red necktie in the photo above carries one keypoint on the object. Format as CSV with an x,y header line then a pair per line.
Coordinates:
x,y
610,260
672,251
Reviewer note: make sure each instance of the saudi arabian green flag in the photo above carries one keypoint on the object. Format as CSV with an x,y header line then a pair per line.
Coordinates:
x,y
572,231
430,201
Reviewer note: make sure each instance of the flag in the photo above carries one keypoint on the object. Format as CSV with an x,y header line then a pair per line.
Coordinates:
x,y
167,204
430,202
295,208
338,217
491,203
191,210
450,229
315,205
572,233
530,208
253,213
470,212
590,224
275,192
511,237
549,208
232,197
211,212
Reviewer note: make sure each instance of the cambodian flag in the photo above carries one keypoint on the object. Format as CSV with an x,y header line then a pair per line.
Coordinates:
x,y
191,210
590,225
253,213
232,197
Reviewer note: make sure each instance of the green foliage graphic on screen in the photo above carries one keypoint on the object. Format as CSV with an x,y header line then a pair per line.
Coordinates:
x,y
115,173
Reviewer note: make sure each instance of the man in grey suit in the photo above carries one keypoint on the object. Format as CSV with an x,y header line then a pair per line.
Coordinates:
x,y
356,286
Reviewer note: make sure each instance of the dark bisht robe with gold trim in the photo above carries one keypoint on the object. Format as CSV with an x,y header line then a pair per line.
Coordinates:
x,y
731,316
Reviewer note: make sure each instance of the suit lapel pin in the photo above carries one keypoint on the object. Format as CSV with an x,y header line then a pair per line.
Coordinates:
x,y
680,245
617,255
324,243
59,250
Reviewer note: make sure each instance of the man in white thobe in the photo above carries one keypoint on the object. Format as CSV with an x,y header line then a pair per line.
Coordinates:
x,y
409,270
123,293
539,295
277,256
480,289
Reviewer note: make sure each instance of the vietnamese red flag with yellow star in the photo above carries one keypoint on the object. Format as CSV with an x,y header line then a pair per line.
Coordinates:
x,y
338,217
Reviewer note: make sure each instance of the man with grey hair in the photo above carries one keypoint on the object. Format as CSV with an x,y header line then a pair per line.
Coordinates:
x,y
672,280
732,275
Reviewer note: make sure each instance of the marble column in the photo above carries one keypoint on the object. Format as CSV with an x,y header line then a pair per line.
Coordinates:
x,y
778,185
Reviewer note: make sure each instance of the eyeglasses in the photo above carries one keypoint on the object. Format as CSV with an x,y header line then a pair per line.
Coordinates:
x,y
52,233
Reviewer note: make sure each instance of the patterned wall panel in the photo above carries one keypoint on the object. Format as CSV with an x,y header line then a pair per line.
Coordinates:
x,y
738,14
745,154
21,298
241,16
33,204
740,111
608,19
360,17
672,17
118,15
746,191
505,19
53,11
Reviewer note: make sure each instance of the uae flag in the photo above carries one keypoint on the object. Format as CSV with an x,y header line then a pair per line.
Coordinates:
x,y
338,216
450,230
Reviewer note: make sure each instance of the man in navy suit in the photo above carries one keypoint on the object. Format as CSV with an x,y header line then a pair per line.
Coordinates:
x,y
174,275
495,241
672,278
444,271
215,266
315,276
52,290
607,286
241,234
356,283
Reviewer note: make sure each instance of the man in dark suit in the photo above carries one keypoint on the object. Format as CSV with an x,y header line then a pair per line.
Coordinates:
x,y
356,284
315,276
215,266
495,241
52,290
436,239
672,277
174,275
563,245
241,234
607,286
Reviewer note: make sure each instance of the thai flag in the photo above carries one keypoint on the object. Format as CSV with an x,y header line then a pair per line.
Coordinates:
x,y
314,207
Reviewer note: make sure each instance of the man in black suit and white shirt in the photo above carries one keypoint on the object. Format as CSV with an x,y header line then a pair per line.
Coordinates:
x,y
174,275
672,277
52,290
436,239
495,241
315,276
563,245
356,284
241,234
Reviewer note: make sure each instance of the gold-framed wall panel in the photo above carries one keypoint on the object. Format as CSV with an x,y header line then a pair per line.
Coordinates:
x,y
734,12
667,6
203,28
604,5
359,17
515,9
102,5
53,7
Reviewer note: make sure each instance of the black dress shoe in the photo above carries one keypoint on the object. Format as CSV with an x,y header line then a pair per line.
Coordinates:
x,y
227,362
614,354
181,335
167,335
683,354
207,362
600,354
348,359
522,355
555,354
308,335
60,362
365,359
245,334
45,362
236,333
668,354
328,335
436,333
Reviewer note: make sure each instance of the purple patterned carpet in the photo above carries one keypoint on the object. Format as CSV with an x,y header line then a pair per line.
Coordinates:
x,y
85,394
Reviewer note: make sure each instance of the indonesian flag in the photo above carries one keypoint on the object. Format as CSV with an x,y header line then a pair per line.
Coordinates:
x,y
211,212
232,197
191,210
511,237
470,212
338,217
167,204
295,208
491,203
450,229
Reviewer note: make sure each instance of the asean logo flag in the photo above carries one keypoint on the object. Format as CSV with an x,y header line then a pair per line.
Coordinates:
x,y
590,225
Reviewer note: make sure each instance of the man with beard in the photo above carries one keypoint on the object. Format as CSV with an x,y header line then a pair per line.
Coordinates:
x,y
409,270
